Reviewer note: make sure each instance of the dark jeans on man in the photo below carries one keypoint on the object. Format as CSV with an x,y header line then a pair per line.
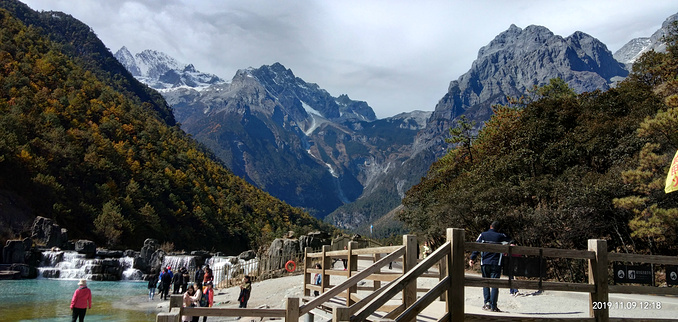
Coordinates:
x,y
79,314
491,296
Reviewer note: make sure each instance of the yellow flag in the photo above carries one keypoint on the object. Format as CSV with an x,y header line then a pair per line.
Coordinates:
x,y
672,177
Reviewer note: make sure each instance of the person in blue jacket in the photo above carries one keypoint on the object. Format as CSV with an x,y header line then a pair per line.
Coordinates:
x,y
490,264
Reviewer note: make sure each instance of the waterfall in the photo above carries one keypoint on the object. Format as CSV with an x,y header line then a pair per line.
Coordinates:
x,y
72,265
129,273
229,267
178,261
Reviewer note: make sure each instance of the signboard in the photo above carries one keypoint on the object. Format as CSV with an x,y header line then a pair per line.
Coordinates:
x,y
672,275
637,274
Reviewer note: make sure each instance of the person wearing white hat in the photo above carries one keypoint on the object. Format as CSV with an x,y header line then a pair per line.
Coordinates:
x,y
81,301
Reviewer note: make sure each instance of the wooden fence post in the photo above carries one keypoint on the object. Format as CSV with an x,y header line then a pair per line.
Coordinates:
x,y
292,310
455,267
598,277
341,314
409,262
307,276
327,264
352,266
376,284
174,315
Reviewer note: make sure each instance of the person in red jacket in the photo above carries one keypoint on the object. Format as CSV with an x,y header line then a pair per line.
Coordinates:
x,y
81,301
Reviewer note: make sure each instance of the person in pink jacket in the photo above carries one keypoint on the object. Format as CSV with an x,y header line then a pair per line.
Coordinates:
x,y
81,301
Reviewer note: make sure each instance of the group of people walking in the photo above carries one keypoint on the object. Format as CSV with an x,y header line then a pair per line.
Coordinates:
x,y
198,294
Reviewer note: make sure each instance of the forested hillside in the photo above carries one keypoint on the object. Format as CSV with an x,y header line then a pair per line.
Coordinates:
x,y
78,41
108,167
558,168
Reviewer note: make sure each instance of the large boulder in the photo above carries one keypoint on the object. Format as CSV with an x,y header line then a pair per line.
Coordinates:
x,y
247,255
143,261
26,271
87,247
315,240
280,251
107,253
14,252
46,232
155,262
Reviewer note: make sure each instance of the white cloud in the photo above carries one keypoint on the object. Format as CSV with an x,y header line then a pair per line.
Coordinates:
x,y
396,55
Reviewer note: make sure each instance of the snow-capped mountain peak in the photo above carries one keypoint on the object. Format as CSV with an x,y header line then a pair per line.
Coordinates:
x,y
161,71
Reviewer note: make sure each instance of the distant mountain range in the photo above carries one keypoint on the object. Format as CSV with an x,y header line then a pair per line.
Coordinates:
x,y
330,154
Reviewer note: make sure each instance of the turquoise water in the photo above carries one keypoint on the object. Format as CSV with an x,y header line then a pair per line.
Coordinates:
x,y
49,300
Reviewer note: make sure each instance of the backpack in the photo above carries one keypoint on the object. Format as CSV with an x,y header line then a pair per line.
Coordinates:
x,y
204,300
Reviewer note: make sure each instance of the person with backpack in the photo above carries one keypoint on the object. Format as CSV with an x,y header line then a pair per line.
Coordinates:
x,y
207,298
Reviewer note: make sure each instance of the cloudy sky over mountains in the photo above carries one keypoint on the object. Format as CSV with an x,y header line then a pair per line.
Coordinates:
x,y
396,55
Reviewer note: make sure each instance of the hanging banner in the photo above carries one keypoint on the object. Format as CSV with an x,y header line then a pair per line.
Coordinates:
x,y
672,177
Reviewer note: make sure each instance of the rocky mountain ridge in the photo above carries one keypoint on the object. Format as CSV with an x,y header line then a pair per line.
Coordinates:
x,y
635,48
293,138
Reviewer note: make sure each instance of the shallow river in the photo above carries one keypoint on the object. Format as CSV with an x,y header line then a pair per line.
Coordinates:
x,y
49,300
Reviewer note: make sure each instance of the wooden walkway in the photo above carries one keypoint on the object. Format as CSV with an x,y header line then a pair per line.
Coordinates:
x,y
393,296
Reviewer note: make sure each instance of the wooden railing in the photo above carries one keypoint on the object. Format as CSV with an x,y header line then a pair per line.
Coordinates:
x,y
451,256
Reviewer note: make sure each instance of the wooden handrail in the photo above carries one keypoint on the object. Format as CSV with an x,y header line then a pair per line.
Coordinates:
x,y
358,251
400,283
642,258
352,281
411,312
212,311
531,251
550,286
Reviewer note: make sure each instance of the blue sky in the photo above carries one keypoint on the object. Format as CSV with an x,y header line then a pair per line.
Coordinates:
x,y
397,55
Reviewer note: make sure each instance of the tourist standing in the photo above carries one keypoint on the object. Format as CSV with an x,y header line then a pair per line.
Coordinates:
x,y
177,280
490,264
81,301
317,279
345,260
165,282
245,291
207,298
152,285
208,276
199,275
186,278
390,264
427,250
